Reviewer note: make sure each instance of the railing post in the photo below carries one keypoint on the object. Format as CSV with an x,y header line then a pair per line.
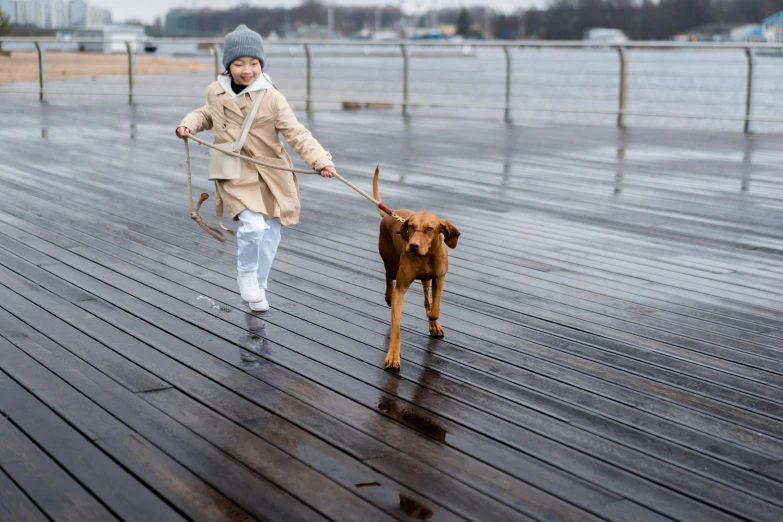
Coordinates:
x,y
309,98
216,55
507,115
41,69
131,71
623,101
405,64
749,93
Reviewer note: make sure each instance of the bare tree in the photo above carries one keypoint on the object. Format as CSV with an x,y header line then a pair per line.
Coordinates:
x,y
649,19
463,22
5,26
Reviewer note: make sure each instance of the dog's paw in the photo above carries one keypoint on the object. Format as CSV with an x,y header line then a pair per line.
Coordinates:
x,y
436,330
392,362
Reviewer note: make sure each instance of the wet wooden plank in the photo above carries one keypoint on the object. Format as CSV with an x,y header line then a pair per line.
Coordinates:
x,y
168,478
534,360
532,286
474,503
134,379
547,333
631,300
251,449
514,375
112,485
267,460
427,360
15,505
731,349
52,489
506,458
443,407
255,495
563,255
464,495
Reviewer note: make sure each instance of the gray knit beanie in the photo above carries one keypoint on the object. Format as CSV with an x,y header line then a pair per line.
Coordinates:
x,y
242,42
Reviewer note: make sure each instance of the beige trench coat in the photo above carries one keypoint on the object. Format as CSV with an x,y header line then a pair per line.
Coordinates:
x,y
272,192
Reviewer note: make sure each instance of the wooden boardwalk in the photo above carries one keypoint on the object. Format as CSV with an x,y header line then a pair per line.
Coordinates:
x,y
613,316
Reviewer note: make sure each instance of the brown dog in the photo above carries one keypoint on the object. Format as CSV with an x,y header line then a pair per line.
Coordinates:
x,y
413,250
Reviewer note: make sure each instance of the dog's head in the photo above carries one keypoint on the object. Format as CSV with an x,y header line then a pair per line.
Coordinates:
x,y
422,233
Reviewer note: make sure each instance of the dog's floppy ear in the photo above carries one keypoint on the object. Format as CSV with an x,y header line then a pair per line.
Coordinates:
x,y
404,231
450,233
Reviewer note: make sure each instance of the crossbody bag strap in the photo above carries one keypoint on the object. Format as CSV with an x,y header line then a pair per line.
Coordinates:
x,y
248,122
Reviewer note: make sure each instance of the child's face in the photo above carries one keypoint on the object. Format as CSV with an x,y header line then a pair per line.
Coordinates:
x,y
245,70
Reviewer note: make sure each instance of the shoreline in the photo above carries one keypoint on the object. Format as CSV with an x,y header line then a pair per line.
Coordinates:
x,y
22,66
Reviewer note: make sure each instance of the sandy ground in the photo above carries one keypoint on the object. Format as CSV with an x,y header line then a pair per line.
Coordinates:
x,y
23,66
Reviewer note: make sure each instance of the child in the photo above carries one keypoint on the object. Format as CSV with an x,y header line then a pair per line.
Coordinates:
x,y
262,199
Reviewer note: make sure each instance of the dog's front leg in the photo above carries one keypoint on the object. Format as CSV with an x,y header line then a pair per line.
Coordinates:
x,y
425,285
389,289
433,314
392,361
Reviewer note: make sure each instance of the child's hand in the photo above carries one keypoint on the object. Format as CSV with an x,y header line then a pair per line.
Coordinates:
x,y
182,132
328,171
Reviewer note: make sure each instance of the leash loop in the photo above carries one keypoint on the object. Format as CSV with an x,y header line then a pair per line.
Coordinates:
x,y
194,209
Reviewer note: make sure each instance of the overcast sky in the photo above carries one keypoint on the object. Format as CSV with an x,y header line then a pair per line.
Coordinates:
x,y
147,10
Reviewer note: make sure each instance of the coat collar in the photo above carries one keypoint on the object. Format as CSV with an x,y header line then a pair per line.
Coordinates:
x,y
230,101
263,82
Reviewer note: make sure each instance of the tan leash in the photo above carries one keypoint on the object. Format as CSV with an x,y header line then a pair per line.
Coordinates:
x,y
217,234
195,208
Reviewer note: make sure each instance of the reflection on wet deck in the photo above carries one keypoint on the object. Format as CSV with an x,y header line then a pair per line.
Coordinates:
x,y
613,316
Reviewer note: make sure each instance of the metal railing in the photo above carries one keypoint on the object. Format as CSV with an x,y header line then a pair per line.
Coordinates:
x,y
506,46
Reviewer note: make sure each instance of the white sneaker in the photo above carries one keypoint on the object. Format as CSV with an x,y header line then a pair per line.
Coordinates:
x,y
260,306
249,289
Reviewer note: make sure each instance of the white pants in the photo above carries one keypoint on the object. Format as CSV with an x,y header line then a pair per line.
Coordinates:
x,y
257,242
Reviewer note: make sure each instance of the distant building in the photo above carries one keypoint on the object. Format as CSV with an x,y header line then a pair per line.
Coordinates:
x,y
29,12
772,28
182,21
313,31
77,11
426,33
743,33
112,36
605,35
54,14
709,33
34,12
447,30
97,16
47,14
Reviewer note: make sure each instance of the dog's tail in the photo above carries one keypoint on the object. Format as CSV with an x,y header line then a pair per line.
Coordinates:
x,y
376,193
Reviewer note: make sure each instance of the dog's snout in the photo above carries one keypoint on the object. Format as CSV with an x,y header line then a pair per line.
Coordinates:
x,y
413,246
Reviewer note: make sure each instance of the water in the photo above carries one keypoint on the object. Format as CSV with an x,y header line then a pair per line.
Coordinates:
x,y
212,304
671,82
711,83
